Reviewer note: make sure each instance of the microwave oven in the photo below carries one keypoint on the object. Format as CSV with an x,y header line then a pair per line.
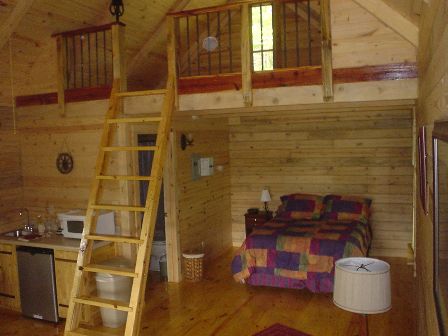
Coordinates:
x,y
72,223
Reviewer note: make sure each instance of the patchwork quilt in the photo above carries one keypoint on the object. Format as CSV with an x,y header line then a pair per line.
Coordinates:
x,y
299,253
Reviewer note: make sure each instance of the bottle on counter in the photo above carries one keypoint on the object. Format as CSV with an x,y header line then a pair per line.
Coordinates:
x,y
40,224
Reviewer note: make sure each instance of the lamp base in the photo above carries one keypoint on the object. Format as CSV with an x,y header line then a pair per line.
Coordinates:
x,y
266,209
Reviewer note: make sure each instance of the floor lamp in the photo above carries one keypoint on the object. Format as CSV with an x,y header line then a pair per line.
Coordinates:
x,y
362,285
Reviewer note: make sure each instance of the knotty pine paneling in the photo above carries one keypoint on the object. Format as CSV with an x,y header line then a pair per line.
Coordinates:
x,y
204,204
363,153
10,175
43,134
433,105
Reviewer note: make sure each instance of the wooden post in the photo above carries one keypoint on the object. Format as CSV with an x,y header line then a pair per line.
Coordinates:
x,y
61,73
171,194
246,67
171,55
119,55
327,62
278,33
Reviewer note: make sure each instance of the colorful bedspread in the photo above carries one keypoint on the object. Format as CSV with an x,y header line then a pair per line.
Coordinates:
x,y
299,254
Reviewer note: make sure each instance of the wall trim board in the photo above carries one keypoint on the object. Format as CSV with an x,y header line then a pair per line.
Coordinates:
x,y
303,76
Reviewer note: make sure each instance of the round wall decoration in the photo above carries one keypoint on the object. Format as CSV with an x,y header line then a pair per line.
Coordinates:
x,y
64,163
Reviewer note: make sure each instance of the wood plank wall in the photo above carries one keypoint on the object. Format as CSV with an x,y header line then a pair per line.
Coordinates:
x,y
433,105
10,175
43,135
350,152
204,204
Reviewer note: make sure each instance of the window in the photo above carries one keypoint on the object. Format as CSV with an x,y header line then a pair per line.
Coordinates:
x,y
262,38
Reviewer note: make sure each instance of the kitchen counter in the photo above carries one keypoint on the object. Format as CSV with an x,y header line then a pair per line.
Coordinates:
x,y
54,241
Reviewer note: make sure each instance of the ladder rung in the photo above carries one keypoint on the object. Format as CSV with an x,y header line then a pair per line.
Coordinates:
x,y
141,93
134,120
117,207
124,177
105,303
89,332
94,268
116,239
129,148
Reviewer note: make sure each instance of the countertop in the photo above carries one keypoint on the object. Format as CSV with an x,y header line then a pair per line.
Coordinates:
x,y
51,240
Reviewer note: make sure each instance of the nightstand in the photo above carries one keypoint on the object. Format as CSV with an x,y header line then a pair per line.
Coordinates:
x,y
257,219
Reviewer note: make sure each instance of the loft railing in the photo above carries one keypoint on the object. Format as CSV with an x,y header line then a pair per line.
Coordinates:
x,y
89,58
251,37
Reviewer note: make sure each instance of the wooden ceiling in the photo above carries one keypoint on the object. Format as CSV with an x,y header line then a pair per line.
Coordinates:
x,y
30,23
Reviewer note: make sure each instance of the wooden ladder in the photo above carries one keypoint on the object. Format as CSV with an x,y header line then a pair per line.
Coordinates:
x,y
144,241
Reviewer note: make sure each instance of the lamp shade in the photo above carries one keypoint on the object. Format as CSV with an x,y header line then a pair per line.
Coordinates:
x,y
362,285
265,196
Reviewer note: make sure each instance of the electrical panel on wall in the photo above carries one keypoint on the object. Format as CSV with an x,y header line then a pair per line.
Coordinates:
x,y
201,166
206,166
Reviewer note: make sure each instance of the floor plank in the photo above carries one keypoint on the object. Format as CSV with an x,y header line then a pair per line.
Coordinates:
x,y
219,306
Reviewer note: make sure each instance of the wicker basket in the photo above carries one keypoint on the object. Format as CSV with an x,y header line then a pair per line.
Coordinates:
x,y
193,266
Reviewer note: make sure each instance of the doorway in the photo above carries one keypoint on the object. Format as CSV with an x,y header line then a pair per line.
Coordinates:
x,y
145,159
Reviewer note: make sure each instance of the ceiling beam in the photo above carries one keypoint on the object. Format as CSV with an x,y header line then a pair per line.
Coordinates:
x,y
391,18
11,23
160,30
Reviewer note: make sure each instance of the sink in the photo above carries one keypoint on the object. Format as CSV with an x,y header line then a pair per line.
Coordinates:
x,y
16,233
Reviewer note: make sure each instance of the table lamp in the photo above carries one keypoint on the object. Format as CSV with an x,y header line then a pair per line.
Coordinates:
x,y
265,197
362,285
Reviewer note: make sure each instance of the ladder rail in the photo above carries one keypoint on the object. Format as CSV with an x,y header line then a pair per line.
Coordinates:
x,y
74,310
149,219
140,273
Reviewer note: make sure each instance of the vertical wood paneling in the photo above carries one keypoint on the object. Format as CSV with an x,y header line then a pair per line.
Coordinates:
x,y
433,105
364,153
10,175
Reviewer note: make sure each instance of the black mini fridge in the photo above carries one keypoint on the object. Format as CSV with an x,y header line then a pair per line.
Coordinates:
x,y
37,283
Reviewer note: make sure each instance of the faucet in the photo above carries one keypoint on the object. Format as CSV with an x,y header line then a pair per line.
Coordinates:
x,y
27,224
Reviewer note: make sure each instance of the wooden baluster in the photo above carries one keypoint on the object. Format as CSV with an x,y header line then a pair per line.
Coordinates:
x,y
89,58
67,64
296,17
105,57
261,36
285,51
188,45
208,51
246,67
310,61
61,61
82,59
197,46
218,36
96,60
229,24
74,62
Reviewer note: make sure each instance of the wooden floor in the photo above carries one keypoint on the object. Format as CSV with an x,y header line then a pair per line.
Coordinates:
x,y
219,306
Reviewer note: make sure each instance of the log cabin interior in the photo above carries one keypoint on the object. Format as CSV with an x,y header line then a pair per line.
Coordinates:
x,y
232,104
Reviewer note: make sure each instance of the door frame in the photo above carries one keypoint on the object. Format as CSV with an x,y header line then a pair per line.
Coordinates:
x,y
171,207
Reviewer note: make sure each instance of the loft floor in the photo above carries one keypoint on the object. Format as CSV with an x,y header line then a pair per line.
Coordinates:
x,y
219,306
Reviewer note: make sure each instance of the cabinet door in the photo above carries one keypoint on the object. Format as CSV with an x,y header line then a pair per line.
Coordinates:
x,y
7,279
9,282
65,272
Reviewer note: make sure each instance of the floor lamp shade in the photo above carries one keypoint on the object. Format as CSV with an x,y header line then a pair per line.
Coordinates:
x,y
362,285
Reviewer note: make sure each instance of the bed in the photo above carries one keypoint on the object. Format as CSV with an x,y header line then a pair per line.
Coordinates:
x,y
299,247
